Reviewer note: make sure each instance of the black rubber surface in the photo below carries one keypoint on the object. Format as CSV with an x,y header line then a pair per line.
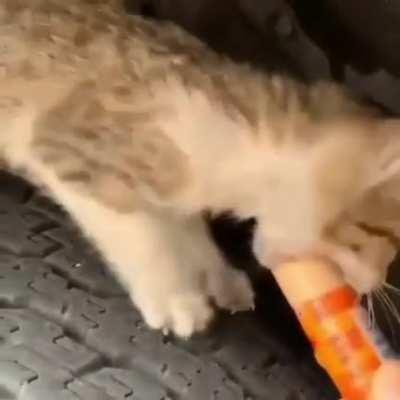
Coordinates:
x,y
67,330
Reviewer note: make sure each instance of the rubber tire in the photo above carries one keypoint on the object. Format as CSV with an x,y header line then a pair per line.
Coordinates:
x,y
68,331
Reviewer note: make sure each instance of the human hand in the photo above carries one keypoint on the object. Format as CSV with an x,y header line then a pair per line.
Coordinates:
x,y
386,385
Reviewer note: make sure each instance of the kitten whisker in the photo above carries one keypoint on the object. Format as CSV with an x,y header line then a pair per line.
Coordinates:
x,y
392,306
371,311
392,288
393,313
381,297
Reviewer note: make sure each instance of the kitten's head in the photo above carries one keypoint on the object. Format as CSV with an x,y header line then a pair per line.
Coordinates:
x,y
304,161
297,158
336,193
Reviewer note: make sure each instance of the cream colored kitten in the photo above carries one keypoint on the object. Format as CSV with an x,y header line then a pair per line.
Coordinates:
x,y
137,128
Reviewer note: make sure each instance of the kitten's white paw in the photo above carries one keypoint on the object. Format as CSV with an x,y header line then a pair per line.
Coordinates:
x,y
231,290
183,314
191,313
179,271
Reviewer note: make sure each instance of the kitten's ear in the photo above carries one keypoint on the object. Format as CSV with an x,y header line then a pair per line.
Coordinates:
x,y
386,148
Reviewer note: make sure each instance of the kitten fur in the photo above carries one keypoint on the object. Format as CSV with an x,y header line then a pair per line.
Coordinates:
x,y
137,128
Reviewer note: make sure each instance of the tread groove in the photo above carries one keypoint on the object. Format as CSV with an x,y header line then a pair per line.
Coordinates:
x,y
94,345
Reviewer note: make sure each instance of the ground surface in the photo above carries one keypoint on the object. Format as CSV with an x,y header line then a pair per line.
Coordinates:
x,y
68,331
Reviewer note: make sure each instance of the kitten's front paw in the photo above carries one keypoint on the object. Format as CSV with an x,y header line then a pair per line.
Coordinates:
x,y
183,314
231,290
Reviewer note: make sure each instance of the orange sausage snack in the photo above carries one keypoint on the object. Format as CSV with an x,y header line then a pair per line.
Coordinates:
x,y
332,318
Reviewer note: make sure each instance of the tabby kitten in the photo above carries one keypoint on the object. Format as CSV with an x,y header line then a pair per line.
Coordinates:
x,y
137,128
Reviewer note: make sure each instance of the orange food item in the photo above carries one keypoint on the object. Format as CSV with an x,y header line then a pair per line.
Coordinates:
x,y
332,318
341,344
